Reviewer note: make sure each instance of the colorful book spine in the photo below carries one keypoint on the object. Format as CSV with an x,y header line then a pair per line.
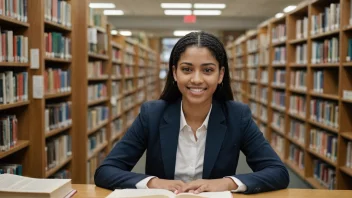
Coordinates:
x,y
97,91
96,70
15,169
57,81
95,140
296,156
325,112
301,54
326,51
62,174
116,55
297,131
278,121
58,11
97,115
15,9
324,174
14,87
278,99
13,48
298,79
302,28
58,115
57,45
279,55
318,81
57,150
279,78
298,105
278,33
323,143
8,132
326,21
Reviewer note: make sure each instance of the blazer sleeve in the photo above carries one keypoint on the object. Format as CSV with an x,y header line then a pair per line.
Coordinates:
x,y
269,172
115,171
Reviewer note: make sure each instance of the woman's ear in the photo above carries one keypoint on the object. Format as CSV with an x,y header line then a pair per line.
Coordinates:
x,y
174,72
221,75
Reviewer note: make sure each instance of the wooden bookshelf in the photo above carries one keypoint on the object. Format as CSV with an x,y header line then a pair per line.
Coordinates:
x,y
337,78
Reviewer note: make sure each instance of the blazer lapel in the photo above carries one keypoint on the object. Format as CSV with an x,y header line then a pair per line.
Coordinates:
x,y
169,131
215,136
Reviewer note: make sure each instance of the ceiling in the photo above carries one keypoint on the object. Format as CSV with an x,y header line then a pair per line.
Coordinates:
x,y
148,16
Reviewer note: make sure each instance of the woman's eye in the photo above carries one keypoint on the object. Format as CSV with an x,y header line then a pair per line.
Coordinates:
x,y
186,69
208,70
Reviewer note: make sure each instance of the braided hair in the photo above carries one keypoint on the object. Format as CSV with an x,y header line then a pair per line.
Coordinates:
x,y
223,93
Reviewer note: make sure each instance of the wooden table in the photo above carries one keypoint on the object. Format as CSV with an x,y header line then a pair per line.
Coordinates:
x,y
86,190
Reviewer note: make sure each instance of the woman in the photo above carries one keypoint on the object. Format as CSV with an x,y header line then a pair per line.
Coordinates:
x,y
194,133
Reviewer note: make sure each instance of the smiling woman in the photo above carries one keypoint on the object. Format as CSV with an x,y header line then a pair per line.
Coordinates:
x,y
194,133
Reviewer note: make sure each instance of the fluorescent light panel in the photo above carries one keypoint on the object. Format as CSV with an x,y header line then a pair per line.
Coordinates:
x,y
113,32
289,8
279,15
102,5
209,5
177,12
183,32
207,12
176,5
113,12
126,33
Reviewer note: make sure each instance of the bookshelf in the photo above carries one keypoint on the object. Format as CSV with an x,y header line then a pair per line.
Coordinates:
x,y
309,90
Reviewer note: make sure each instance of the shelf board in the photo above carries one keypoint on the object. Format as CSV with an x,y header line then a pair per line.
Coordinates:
x,y
278,43
97,150
326,96
97,127
326,34
13,105
297,65
97,56
98,78
57,131
13,64
295,168
346,170
57,95
95,102
277,108
347,135
278,65
116,78
278,87
347,64
58,167
277,130
298,41
57,60
346,100
118,62
11,21
57,26
253,52
326,159
297,91
297,116
19,145
295,142
323,126
313,182
325,65
99,29
116,45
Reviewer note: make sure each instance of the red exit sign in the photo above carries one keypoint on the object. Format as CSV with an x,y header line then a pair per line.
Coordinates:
x,y
189,19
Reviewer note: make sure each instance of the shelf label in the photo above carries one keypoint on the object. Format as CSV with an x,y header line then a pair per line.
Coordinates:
x,y
34,58
38,87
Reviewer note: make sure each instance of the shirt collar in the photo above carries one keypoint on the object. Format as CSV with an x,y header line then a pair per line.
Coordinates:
x,y
184,122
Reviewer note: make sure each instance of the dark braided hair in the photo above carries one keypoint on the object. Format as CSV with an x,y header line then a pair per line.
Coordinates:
x,y
171,93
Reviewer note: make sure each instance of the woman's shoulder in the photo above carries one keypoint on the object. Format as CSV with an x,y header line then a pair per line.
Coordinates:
x,y
235,106
154,105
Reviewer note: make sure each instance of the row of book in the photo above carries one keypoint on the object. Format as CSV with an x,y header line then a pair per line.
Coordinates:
x,y
263,94
58,115
140,83
116,55
301,54
58,11
277,142
92,165
302,28
14,87
239,50
325,112
253,106
325,174
278,121
128,86
253,91
263,112
349,154
318,81
57,45
130,49
8,132
252,45
349,49
264,41
16,9
298,105
252,60
116,71
296,156
129,71
98,41
264,76
252,75
97,115
15,169
13,48
326,51
116,127
61,174
116,108
96,139
239,62
97,91
279,55
96,69
326,21
96,18
128,102
264,57
323,143
278,99
279,78
278,33
129,59
297,131
115,89
57,81
298,79
57,150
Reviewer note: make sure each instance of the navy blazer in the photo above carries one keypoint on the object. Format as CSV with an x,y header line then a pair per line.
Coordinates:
x,y
230,130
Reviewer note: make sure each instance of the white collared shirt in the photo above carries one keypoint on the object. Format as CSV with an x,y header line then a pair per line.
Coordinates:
x,y
190,155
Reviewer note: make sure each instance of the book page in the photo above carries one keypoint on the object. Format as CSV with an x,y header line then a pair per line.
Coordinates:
x,y
141,193
225,194
15,183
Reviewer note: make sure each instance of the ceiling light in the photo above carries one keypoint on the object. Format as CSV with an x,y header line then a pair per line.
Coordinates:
x,y
113,12
183,32
178,12
126,33
176,5
102,5
206,12
209,5
113,32
289,8
279,15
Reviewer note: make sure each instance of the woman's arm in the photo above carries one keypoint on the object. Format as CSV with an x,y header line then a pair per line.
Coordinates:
x,y
269,173
114,172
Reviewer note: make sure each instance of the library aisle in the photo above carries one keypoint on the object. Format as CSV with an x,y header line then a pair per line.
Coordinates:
x,y
70,87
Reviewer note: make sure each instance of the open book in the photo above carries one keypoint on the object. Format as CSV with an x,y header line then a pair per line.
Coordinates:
x,y
14,186
160,193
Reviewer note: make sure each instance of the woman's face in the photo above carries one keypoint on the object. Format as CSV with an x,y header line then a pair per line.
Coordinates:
x,y
197,75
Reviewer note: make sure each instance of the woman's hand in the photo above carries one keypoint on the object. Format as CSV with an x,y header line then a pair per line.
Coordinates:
x,y
210,185
175,186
